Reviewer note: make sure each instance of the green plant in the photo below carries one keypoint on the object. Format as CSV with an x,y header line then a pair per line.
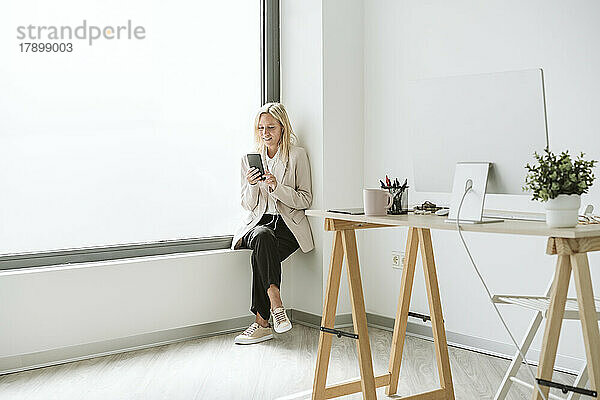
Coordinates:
x,y
558,174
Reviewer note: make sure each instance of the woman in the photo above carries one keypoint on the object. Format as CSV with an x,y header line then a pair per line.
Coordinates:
x,y
274,225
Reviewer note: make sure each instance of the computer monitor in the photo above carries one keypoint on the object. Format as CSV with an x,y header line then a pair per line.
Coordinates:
x,y
494,117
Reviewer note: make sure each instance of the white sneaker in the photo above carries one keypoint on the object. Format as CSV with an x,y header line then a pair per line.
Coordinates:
x,y
254,334
281,322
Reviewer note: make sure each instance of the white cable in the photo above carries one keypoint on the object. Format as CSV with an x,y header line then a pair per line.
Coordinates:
x,y
535,383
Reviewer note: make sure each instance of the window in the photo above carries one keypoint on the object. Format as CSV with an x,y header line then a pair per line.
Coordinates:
x,y
128,142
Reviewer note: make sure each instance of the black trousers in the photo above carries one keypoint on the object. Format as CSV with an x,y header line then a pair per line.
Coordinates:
x,y
271,242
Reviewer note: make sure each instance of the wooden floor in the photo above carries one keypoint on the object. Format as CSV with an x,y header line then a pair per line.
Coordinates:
x,y
215,368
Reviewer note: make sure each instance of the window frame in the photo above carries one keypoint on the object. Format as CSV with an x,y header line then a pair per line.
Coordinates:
x,y
270,82
270,68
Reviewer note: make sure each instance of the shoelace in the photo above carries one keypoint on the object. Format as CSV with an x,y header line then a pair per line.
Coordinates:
x,y
250,330
279,315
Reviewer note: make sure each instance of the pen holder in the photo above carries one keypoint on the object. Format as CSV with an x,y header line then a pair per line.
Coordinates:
x,y
399,202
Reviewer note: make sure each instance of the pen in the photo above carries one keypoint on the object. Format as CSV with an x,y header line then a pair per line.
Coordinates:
x,y
404,184
382,184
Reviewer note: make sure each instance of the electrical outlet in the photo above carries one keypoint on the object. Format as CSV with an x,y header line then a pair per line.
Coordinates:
x,y
397,259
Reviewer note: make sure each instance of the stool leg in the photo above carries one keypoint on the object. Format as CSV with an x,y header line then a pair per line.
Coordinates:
x,y
435,309
588,316
553,322
359,316
328,319
534,325
517,359
408,274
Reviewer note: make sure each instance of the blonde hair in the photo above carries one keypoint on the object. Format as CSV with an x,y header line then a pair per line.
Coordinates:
x,y
288,138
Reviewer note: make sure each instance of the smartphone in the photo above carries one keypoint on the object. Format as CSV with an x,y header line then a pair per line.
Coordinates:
x,y
255,160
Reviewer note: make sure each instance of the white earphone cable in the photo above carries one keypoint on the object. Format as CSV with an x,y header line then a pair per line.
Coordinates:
x,y
535,383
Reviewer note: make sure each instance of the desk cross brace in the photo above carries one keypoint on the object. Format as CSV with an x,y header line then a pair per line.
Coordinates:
x,y
338,333
424,317
566,388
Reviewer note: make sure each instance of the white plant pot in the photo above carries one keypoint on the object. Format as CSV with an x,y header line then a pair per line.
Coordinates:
x,y
563,211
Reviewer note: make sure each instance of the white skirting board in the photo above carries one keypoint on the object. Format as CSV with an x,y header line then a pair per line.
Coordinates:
x,y
63,355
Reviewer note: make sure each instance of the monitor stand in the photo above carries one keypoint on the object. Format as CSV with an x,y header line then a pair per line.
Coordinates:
x,y
475,175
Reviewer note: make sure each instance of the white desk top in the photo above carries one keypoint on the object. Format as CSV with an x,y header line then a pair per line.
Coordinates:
x,y
515,227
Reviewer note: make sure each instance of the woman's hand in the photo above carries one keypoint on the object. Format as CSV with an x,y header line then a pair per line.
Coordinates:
x,y
253,175
271,181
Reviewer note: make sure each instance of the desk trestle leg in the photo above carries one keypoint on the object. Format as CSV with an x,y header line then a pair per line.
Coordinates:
x,y
345,246
408,275
556,310
359,316
420,237
587,315
328,319
572,259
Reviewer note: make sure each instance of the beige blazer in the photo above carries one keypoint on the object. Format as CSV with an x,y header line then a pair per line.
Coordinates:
x,y
292,195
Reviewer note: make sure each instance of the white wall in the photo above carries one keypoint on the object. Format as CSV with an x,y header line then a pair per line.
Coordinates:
x,y
301,92
322,87
414,39
343,125
49,308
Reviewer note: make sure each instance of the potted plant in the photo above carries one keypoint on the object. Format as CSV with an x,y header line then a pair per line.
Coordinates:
x,y
559,181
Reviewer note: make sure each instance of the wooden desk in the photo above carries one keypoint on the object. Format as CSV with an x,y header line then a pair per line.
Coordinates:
x,y
571,245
